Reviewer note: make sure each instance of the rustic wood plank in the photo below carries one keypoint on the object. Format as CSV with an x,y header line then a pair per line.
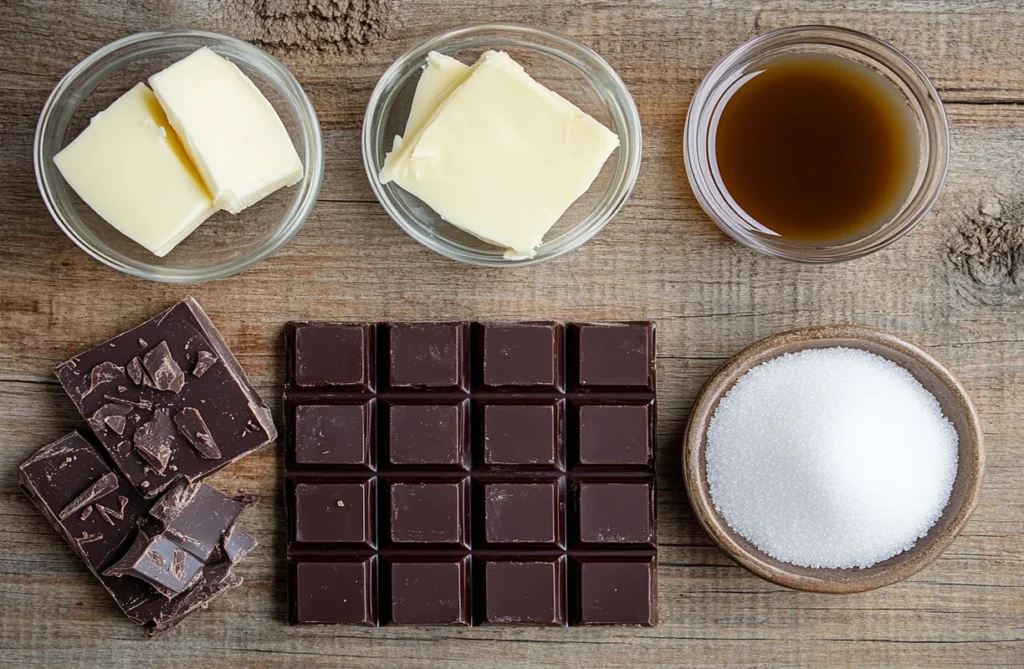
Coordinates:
x,y
955,285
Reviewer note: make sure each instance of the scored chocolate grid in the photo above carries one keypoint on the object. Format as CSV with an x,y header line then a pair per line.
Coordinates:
x,y
471,392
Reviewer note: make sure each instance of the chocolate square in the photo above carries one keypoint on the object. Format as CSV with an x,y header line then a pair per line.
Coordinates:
x,y
430,593
616,513
426,355
523,513
334,512
431,513
168,400
614,434
522,435
617,593
524,592
615,355
336,355
427,434
335,434
522,355
335,592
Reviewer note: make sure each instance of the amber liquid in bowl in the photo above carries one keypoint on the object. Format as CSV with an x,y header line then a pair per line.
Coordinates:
x,y
816,148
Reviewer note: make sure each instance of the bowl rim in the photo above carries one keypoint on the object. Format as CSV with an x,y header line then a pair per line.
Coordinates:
x,y
633,143
301,207
922,198
830,581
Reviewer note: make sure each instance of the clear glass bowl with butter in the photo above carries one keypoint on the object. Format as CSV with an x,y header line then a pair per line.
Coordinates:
x,y
225,244
570,69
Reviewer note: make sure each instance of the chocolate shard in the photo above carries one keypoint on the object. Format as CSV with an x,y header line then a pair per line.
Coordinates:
x,y
112,416
154,441
103,486
192,426
164,372
135,371
103,373
87,538
109,514
204,361
145,405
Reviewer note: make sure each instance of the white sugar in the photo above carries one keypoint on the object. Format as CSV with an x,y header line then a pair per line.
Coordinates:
x,y
830,457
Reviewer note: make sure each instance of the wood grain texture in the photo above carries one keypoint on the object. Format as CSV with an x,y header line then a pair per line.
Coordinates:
x,y
955,286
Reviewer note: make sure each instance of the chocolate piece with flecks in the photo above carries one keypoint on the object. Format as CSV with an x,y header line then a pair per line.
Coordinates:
x,y
167,582
191,424
69,476
102,374
236,420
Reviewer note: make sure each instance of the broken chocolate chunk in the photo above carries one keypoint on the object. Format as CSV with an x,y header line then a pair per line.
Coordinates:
x,y
135,371
158,561
178,338
105,485
154,440
204,362
170,581
164,372
197,517
103,373
237,544
192,426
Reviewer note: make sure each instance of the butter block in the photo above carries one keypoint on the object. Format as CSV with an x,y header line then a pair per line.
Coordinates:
x,y
231,131
130,168
501,156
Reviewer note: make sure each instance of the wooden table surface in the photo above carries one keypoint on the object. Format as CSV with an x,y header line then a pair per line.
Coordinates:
x,y
955,285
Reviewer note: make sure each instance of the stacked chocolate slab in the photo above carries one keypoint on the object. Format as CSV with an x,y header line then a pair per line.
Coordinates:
x,y
169,406
465,474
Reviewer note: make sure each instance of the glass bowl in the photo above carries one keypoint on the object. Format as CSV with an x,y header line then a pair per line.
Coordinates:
x,y
570,69
913,84
225,243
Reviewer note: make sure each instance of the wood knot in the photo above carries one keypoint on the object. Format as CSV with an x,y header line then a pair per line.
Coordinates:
x,y
986,250
319,25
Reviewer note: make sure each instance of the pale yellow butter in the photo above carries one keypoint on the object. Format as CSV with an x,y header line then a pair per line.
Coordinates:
x,y
440,76
231,131
500,156
130,168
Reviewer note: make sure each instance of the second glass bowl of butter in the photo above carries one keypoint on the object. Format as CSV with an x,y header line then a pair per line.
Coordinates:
x,y
570,69
225,244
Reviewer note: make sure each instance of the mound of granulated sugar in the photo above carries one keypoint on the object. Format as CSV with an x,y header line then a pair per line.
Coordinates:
x,y
830,457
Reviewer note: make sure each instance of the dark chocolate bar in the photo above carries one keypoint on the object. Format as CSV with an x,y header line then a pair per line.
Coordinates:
x,y
469,474
159,562
168,400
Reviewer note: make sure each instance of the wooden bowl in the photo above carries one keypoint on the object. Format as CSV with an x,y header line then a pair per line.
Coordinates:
x,y
932,374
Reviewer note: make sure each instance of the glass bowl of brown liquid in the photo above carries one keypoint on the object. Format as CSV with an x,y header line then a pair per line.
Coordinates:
x,y
816,144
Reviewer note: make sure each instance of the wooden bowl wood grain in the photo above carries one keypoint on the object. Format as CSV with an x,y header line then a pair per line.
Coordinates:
x,y
932,374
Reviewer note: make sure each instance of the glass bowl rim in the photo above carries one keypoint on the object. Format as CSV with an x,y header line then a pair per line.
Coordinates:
x,y
309,126
617,96
919,202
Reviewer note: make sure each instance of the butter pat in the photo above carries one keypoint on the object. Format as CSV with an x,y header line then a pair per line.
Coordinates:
x,y
501,156
130,168
230,130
